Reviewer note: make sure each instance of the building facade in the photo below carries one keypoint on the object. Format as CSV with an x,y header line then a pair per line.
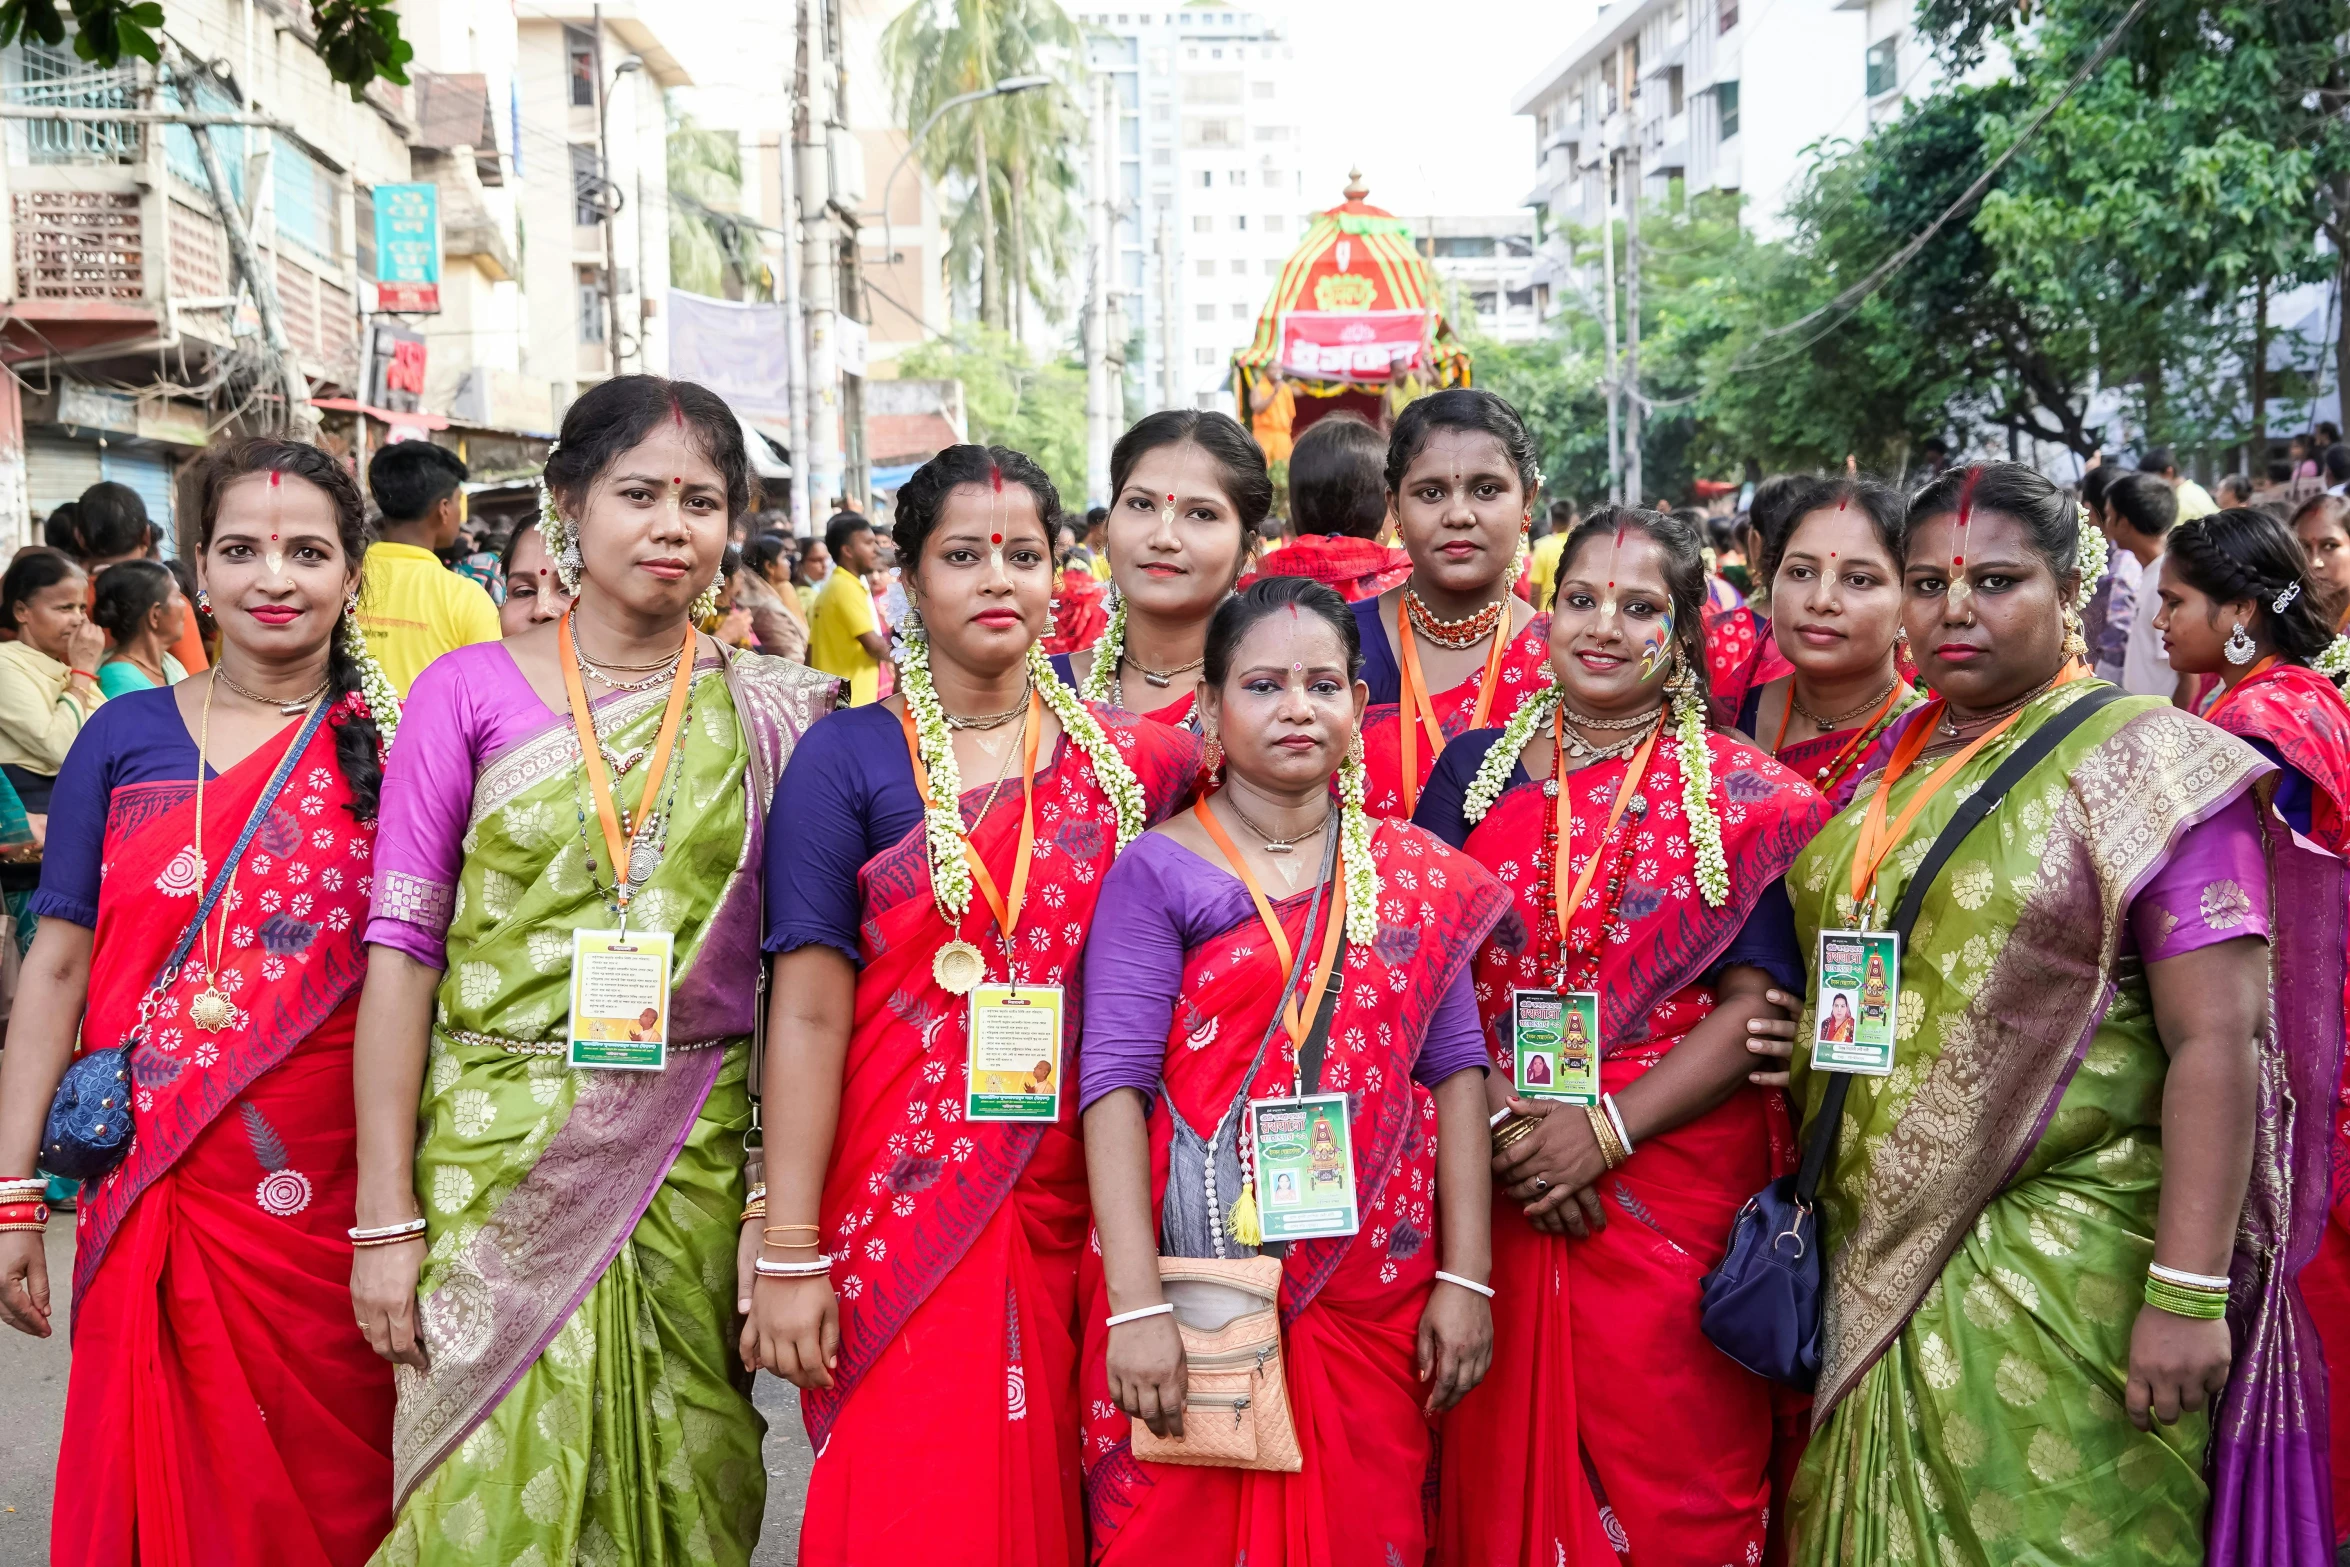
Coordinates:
x,y
1487,268
1210,111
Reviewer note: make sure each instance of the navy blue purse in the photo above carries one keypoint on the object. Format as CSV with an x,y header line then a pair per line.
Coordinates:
x,y
1761,1306
89,1127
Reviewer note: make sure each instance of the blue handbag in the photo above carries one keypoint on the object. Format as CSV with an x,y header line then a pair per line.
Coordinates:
x,y
89,1127
1761,1306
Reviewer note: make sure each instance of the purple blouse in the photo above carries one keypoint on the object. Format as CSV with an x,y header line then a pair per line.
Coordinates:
x,y
134,741
467,708
2212,887
1160,900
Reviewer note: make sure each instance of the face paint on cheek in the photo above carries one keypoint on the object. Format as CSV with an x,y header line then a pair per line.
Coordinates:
x,y
1656,647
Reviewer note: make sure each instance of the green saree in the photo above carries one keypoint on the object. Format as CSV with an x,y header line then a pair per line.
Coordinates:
x,y
585,1400
1990,1209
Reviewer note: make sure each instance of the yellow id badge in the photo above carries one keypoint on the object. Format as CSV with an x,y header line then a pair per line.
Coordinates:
x,y
1012,1059
1305,1167
1858,989
1554,1041
620,999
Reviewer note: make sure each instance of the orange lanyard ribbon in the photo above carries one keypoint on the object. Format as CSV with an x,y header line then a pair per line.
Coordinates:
x,y
591,754
2250,675
1007,913
1567,900
1876,841
1293,1018
1854,747
1416,708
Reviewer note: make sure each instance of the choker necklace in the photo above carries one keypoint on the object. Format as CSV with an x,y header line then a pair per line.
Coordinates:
x,y
1467,631
1284,848
290,706
1839,720
993,720
1638,720
1581,750
1950,725
646,684
1159,678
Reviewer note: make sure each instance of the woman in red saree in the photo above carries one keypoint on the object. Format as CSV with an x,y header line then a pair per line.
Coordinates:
x,y
1190,489
223,1408
920,1270
2241,602
1208,997
1338,512
1452,649
1611,1425
1836,581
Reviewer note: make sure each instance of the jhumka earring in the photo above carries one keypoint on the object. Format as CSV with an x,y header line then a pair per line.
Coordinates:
x,y
2076,643
2239,648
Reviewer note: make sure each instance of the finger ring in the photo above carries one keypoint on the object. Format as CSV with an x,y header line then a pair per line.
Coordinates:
x,y
1541,1183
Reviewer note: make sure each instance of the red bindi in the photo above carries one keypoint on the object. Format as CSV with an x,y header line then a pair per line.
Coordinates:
x,y
995,538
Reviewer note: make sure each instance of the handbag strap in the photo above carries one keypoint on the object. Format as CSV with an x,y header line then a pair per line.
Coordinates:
x,y
1821,1145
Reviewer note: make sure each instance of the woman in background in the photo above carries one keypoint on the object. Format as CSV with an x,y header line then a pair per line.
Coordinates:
x,y
534,593
1338,511
140,607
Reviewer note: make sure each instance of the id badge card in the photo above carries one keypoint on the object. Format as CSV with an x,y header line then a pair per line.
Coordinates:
x,y
1305,1167
620,999
1554,1039
1012,1056
1858,986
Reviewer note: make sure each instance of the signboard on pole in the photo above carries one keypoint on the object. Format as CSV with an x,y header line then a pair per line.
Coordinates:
x,y
408,249
740,350
395,374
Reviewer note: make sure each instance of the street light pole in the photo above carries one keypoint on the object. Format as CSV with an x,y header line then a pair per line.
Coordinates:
x,y
1002,89
610,202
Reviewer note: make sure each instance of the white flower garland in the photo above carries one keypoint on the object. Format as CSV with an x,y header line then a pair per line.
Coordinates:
x,y
1697,787
950,873
2089,557
1354,841
1493,773
2334,662
377,690
1101,680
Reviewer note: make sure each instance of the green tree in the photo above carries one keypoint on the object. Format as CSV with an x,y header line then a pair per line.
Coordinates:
x,y
358,39
1011,399
713,250
1015,154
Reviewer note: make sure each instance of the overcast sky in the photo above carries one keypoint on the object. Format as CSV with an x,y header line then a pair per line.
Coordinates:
x,y
1421,96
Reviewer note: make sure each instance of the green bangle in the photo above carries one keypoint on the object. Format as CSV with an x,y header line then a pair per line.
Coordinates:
x,y
2197,1305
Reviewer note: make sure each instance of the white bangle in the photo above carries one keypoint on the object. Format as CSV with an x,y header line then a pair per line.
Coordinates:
x,y
1485,1290
2193,1281
1498,1116
791,1270
1615,1119
1165,1308
386,1232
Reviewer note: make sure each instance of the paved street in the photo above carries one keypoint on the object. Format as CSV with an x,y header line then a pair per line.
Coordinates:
x,y
32,1392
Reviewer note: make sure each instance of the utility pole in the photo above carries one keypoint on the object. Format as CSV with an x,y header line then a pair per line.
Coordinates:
x,y
1098,391
607,200
1607,324
300,419
822,284
1634,493
787,155
1170,386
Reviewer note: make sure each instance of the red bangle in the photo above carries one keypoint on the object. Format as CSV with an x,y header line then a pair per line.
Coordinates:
x,y
24,1213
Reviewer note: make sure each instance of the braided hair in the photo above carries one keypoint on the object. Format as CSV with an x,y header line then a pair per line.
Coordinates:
x,y
357,742
2243,553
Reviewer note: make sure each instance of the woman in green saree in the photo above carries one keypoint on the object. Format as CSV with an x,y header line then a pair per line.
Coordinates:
x,y
554,1258
2089,1077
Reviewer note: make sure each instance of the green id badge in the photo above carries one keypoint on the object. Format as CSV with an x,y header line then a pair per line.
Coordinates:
x,y
619,999
1858,989
1305,1167
1554,1040
1013,1062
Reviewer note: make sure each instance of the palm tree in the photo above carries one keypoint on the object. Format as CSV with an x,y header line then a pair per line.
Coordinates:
x,y
712,249
1013,154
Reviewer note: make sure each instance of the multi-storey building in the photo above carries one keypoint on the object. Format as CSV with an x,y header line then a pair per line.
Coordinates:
x,y
1210,111
1487,267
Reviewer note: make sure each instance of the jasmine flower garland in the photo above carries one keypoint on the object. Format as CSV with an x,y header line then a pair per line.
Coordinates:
x,y
1086,733
2334,662
382,698
2090,558
1697,787
1354,841
1101,681
1493,774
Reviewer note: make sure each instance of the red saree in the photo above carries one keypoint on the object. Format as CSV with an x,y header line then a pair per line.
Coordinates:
x,y
958,1241
1609,1426
1524,671
1350,1308
1740,654
1357,568
2298,712
222,1406
1080,612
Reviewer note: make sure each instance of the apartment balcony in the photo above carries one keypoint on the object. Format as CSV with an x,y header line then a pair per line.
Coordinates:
x,y
105,260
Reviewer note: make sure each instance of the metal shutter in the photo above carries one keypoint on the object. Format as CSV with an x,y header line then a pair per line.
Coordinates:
x,y
57,469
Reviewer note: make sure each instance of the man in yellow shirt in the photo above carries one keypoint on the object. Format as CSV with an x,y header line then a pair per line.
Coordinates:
x,y
844,630
1542,572
412,608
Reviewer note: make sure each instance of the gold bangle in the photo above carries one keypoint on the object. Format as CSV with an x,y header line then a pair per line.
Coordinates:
x,y
1611,1148
1514,1131
786,1229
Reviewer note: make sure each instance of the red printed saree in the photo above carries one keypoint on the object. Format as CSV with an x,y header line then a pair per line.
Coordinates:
x,y
959,1241
1357,568
1524,671
1350,1308
1609,1425
2298,712
223,1408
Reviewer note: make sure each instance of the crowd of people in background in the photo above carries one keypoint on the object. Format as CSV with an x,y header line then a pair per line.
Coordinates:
x,y
561,971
